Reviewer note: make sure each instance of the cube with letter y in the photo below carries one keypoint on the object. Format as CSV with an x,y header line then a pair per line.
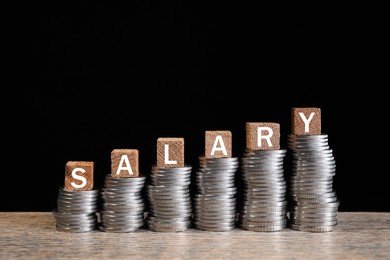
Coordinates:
x,y
306,121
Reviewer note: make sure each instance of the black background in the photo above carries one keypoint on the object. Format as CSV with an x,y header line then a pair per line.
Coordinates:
x,y
100,76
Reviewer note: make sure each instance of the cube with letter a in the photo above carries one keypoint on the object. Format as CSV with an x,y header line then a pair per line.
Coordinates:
x,y
218,144
124,163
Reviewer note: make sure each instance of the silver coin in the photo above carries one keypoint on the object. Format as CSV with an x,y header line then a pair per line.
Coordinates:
x,y
313,214
75,223
278,153
254,228
216,174
92,192
110,179
171,175
218,167
74,230
263,219
58,213
202,209
216,203
314,222
214,225
124,200
86,208
159,222
218,185
169,229
117,214
185,168
118,230
128,186
76,204
123,223
216,217
162,188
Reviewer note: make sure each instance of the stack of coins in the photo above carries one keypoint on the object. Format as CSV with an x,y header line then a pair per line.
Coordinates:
x,y
122,204
264,194
314,203
76,210
170,206
215,198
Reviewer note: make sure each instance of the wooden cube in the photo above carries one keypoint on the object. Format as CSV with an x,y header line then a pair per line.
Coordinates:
x,y
170,152
124,163
218,144
79,175
262,136
306,121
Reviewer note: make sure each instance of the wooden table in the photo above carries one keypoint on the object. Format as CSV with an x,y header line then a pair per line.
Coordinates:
x,y
32,235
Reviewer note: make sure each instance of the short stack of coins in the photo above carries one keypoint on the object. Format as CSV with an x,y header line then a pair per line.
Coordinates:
x,y
313,202
264,206
215,197
77,202
122,204
121,195
168,189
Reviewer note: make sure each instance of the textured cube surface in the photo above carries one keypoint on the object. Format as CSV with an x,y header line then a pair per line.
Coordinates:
x,y
170,152
218,144
306,121
262,136
124,163
79,175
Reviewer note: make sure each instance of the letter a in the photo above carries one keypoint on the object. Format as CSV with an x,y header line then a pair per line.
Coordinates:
x,y
218,139
124,160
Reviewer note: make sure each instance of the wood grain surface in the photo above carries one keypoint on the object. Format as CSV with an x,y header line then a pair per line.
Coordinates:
x,y
32,235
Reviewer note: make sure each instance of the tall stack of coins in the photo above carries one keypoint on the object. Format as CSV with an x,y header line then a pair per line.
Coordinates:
x,y
215,198
313,202
122,201
77,202
170,207
264,207
264,200
168,190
